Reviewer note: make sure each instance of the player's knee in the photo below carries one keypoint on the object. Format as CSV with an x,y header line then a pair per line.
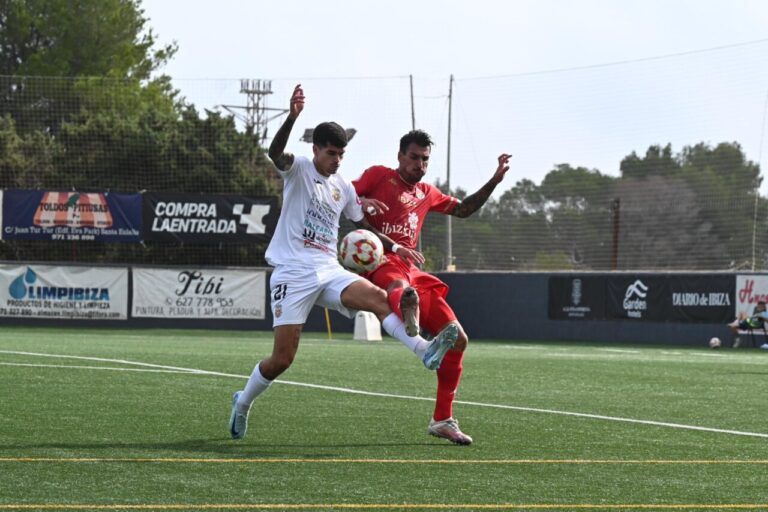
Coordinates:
x,y
273,366
379,303
282,362
461,341
397,283
270,368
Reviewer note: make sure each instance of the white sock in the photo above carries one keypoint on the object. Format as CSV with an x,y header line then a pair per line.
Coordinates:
x,y
256,385
396,328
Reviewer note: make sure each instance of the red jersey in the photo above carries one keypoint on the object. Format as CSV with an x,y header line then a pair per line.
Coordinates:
x,y
408,204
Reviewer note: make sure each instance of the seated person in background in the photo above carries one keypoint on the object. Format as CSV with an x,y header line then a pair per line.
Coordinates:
x,y
756,321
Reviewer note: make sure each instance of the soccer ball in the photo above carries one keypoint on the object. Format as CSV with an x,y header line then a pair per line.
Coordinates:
x,y
715,343
361,251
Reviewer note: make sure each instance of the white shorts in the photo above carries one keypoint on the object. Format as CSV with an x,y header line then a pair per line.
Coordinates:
x,y
294,290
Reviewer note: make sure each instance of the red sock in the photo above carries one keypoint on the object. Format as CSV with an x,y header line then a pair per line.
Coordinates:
x,y
394,300
448,377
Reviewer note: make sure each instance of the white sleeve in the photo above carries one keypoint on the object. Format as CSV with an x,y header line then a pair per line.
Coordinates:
x,y
292,170
353,210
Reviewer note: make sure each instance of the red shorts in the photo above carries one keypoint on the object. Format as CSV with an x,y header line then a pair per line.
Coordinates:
x,y
434,311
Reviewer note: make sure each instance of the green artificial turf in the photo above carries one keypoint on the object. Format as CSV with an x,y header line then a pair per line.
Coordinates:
x,y
139,422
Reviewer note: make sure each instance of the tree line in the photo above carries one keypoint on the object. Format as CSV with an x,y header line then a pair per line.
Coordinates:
x,y
82,106
698,209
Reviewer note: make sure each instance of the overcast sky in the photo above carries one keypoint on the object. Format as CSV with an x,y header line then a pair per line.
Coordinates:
x,y
584,82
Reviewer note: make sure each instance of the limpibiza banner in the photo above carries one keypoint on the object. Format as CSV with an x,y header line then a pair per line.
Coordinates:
x,y
66,292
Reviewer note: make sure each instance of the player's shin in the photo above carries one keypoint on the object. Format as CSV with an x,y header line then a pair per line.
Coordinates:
x,y
256,385
396,328
393,297
448,378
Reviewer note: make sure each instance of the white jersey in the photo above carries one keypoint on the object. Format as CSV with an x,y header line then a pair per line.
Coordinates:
x,y
307,232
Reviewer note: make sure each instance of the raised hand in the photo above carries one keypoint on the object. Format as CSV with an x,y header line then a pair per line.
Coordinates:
x,y
473,202
277,153
297,102
503,167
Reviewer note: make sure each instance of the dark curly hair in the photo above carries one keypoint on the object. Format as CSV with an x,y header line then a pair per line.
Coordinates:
x,y
418,137
329,133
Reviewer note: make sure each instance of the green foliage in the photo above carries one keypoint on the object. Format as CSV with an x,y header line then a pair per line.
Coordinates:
x,y
83,107
12,160
433,259
576,188
106,38
657,161
694,210
552,261
213,152
71,38
84,111
26,160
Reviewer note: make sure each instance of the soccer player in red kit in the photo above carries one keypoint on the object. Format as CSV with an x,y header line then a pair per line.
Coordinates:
x,y
396,202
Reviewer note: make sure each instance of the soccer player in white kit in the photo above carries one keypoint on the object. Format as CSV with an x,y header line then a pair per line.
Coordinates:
x,y
306,268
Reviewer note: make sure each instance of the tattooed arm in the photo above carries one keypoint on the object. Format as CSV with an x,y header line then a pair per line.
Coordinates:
x,y
475,201
277,154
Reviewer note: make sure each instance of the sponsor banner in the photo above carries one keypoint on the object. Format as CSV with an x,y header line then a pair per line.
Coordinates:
x,y
208,219
704,299
671,298
199,293
638,297
750,289
47,215
576,298
40,291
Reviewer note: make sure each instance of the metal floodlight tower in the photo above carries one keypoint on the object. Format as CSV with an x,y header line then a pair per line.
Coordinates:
x,y
256,113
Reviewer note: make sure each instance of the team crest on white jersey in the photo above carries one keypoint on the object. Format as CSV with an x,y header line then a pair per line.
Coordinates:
x,y
336,194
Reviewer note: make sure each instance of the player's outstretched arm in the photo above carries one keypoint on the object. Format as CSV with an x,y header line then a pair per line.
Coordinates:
x,y
474,202
373,206
277,154
407,254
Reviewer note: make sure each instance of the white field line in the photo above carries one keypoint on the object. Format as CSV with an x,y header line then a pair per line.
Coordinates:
x,y
80,367
707,354
401,397
628,354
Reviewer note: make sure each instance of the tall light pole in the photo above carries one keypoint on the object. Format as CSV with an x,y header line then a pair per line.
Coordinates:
x,y
413,127
449,266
